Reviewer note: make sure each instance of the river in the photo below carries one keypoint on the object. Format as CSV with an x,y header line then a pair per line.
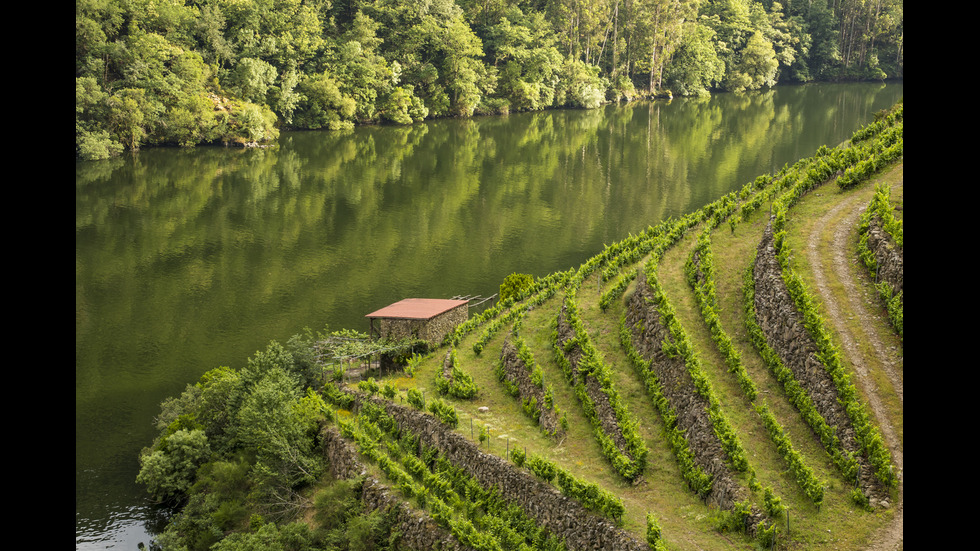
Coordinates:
x,y
190,259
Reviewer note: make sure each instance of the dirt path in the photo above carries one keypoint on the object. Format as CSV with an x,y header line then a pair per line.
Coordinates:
x,y
836,264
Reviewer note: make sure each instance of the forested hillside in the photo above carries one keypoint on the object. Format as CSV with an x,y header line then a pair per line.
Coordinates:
x,y
167,72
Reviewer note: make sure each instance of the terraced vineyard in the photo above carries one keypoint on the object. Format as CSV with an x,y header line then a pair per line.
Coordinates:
x,y
728,380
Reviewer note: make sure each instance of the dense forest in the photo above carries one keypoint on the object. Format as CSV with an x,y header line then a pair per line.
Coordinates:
x,y
170,72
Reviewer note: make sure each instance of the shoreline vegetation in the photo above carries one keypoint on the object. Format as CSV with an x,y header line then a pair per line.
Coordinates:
x,y
790,447
155,72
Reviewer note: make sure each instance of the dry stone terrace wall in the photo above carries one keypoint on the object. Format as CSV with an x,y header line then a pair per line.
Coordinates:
x,y
786,334
418,531
566,518
648,335
889,257
517,373
604,410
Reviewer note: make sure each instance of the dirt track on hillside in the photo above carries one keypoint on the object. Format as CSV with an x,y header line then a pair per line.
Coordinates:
x,y
836,265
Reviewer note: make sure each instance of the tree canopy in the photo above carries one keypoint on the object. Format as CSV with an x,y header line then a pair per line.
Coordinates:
x,y
158,72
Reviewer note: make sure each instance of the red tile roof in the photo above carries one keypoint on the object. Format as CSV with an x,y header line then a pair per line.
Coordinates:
x,y
416,308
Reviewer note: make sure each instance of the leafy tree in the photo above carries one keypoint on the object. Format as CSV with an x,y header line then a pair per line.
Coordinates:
x,y
191,121
696,68
129,116
361,71
251,79
221,393
96,145
284,98
790,42
467,78
439,54
824,57
294,536
323,105
732,22
581,86
209,30
168,470
280,425
91,141
515,286
654,29
756,67
522,48
403,106
250,122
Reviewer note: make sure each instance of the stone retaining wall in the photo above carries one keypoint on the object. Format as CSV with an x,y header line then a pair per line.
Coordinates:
x,y
517,373
648,334
783,326
566,518
418,530
603,409
890,258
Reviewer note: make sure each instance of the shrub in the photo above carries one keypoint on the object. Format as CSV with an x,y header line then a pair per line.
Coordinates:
x,y
516,286
543,468
654,534
388,391
460,385
445,412
416,399
369,386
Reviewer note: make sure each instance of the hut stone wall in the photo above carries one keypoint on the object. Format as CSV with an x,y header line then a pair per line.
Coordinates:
x,y
432,330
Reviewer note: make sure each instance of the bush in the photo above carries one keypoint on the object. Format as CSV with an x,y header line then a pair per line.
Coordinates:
x,y
416,399
542,468
516,286
98,145
445,412
460,385
581,86
773,504
654,534
336,503
370,386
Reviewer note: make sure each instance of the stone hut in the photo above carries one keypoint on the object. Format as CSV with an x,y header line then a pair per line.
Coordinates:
x,y
427,319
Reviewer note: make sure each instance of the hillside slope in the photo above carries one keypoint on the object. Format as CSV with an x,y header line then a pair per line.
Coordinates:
x,y
677,403
728,380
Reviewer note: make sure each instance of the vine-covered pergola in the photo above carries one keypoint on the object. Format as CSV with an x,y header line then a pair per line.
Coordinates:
x,y
346,349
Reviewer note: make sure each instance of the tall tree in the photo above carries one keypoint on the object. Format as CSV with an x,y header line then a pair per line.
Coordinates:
x,y
695,68
660,28
522,49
